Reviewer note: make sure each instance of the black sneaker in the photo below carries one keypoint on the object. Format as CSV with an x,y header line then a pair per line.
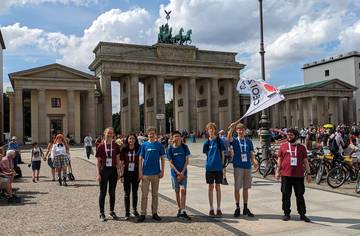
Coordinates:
x,y
102,217
178,213
127,215
156,217
286,217
305,218
141,218
237,212
185,216
113,215
224,182
247,212
135,213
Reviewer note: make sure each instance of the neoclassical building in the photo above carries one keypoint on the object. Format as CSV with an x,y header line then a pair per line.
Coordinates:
x,y
52,99
204,84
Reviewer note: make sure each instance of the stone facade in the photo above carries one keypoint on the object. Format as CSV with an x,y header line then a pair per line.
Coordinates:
x,y
61,100
204,84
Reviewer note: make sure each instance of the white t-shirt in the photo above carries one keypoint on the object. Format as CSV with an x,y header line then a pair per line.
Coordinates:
x,y
58,150
88,141
36,154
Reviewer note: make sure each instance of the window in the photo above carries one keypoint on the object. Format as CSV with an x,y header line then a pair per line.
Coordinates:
x,y
55,102
327,72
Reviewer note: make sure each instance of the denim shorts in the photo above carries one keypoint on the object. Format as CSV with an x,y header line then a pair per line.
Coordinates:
x,y
177,184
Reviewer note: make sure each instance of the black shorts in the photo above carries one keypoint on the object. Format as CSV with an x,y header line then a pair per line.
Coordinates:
x,y
214,176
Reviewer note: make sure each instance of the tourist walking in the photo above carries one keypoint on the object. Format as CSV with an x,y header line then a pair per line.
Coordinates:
x,y
36,156
108,171
243,156
150,172
60,156
292,158
129,158
178,155
214,150
88,146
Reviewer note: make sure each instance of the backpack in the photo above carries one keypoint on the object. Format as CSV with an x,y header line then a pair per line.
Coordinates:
x,y
333,146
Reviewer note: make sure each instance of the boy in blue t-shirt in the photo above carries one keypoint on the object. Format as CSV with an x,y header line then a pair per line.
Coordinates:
x,y
151,153
214,150
178,155
243,155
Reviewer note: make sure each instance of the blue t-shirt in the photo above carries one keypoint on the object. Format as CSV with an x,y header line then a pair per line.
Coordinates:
x,y
246,147
178,157
151,153
213,160
13,146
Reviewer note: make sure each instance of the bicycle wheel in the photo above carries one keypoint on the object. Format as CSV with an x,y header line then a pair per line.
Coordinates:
x,y
336,177
357,187
319,174
264,167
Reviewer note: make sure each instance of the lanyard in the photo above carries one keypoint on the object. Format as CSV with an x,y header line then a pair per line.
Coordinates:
x,y
106,150
131,156
241,145
292,152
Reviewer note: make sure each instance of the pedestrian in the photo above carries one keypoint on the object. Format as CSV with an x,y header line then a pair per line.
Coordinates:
x,y
243,156
49,157
60,156
108,171
36,156
178,155
129,158
7,175
150,172
88,145
214,149
292,158
14,145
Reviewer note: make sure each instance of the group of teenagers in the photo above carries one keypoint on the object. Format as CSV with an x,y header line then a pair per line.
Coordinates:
x,y
133,163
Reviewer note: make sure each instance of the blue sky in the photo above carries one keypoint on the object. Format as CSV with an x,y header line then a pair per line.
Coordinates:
x,y
39,32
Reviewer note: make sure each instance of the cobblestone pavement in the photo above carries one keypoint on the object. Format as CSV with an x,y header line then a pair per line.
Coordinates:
x,y
49,209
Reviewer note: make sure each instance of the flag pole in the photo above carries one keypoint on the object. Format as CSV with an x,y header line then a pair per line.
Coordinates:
x,y
265,134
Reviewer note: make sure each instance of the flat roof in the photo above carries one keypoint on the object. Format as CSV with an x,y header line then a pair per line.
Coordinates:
x,y
331,59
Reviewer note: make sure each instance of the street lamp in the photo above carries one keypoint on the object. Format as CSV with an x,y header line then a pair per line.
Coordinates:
x,y
264,123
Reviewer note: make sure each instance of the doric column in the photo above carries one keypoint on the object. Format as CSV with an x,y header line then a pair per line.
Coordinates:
x,y
319,108
19,124
160,103
326,110
276,116
341,110
192,104
105,83
300,113
91,113
71,112
350,111
235,101
134,103
215,100
12,113
42,117
288,113
314,117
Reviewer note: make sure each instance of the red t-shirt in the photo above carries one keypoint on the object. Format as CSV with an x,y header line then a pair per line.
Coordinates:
x,y
127,155
101,153
284,153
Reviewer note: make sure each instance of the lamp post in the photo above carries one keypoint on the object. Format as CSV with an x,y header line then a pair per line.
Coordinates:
x,y
264,123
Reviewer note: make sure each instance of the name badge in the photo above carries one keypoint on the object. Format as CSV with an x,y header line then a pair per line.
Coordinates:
x,y
293,161
243,157
131,167
108,162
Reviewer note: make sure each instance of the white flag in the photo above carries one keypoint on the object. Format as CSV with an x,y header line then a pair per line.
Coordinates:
x,y
262,95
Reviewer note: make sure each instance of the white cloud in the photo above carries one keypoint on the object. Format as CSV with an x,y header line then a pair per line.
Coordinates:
x,y
350,38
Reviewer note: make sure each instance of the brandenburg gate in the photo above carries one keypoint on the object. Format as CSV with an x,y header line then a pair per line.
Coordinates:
x,y
204,82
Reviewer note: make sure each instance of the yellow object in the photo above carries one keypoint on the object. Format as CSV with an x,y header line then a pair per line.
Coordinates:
x,y
328,126
331,156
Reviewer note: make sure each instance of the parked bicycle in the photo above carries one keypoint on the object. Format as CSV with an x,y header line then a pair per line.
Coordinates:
x,y
342,172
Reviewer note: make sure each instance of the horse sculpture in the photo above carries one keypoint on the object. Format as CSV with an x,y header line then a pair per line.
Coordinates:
x,y
186,38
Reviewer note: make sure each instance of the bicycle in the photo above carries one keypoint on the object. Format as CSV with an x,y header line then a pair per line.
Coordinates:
x,y
342,172
268,165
